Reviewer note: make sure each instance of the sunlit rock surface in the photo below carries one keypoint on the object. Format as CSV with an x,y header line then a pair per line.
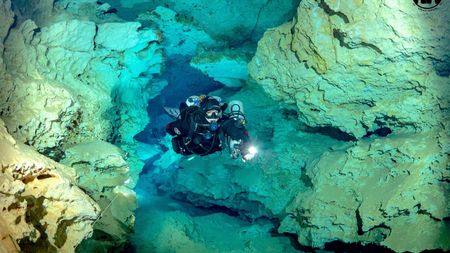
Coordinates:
x,y
359,66
41,208
103,173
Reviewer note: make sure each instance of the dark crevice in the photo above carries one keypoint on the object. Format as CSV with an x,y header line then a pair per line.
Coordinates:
x,y
331,12
339,35
330,131
33,216
382,132
44,176
13,25
61,232
258,16
359,222
342,247
306,180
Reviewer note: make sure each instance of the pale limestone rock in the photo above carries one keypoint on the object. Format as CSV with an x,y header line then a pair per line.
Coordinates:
x,y
38,113
389,191
6,20
71,35
228,67
118,36
40,206
358,66
104,174
77,66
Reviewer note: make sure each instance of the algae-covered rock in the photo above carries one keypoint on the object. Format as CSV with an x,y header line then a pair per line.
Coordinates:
x,y
359,66
390,191
41,208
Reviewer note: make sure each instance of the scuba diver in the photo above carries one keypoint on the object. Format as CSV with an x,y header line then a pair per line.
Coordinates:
x,y
202,127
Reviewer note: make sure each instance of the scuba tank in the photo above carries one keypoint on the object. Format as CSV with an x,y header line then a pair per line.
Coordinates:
x,y
235,110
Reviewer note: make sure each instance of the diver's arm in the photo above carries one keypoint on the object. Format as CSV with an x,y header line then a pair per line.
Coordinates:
x,y
236,131
185,124
179,127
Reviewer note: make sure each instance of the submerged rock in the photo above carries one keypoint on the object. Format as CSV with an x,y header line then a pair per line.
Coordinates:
x,y
390,191
234,21
228,67
103,173
181,36
341,73
74,78
41,208
39,113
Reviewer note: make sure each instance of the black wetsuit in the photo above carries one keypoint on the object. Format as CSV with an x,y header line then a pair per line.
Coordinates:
x,y
193,134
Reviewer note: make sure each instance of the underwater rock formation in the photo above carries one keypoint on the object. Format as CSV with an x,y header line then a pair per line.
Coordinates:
x,y
45,129
103,173
228,67
181,36
67,81
342,74
41,208
391,191
222,19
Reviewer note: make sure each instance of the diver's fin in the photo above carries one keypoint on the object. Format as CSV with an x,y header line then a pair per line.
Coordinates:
x,y
172,112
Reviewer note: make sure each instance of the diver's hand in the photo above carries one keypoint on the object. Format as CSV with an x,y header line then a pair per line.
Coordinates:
x,y
248,152
235,149
248,157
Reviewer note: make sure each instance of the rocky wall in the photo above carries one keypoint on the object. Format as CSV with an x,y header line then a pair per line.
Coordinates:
x,y
42,210
359,66
74,78
103,174
392,192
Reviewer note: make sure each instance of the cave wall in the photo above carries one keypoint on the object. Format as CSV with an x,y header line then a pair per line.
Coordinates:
x,y
42,209
75,75
357,67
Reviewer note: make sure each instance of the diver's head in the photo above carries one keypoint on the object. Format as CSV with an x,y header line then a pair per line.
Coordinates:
x,y
212,109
